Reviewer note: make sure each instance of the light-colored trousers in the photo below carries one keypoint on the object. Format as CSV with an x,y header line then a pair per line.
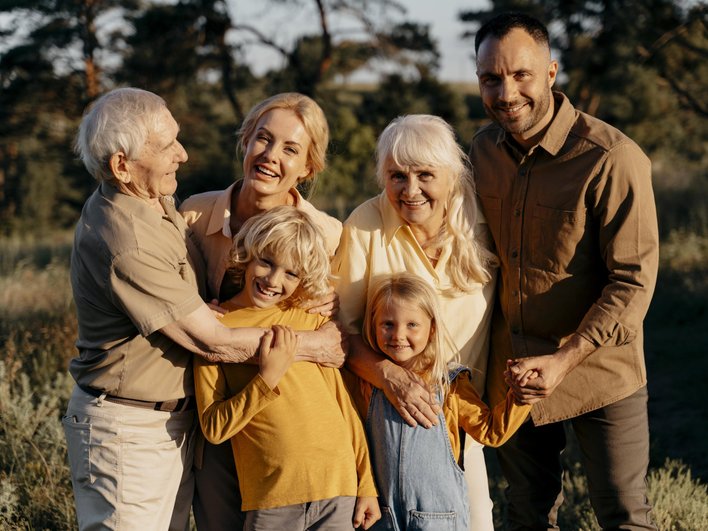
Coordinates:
x,y
131,468
477,487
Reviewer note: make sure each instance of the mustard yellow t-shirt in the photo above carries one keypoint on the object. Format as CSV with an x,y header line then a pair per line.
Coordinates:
x,y
301,443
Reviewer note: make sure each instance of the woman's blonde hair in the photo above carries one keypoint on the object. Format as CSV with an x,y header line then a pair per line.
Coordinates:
x,y
431,364
427,140
284,231
309,113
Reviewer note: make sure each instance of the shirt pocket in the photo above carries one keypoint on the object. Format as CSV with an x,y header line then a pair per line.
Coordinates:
x,y
555,238
427,521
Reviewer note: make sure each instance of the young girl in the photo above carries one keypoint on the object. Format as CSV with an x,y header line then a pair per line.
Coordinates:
x,y
421,485
298,443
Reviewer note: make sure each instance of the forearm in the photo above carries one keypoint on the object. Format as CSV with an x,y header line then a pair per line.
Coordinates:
x,y
573,352
366,363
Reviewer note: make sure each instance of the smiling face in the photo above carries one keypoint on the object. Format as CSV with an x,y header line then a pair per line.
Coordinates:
x,y
267,281
515,75
276,154
402,330
153,174
419,194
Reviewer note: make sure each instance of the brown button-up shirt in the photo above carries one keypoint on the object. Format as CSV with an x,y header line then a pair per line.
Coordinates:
x,y
574,223
131,275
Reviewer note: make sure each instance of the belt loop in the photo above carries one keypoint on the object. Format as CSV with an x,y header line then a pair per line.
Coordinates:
x,y
99,403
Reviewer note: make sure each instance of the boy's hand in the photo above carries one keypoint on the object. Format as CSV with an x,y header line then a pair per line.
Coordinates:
x,y
366,512
277,352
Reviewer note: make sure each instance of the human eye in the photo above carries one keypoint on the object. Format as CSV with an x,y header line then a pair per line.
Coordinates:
x,y
426,175
291,150
413,324
292,274
489,80
398,176
263,261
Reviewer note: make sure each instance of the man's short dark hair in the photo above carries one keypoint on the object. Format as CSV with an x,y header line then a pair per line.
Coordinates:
x,y
502,24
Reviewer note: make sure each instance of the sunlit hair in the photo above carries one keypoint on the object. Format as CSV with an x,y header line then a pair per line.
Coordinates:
x,y
499,26
431,364
120,120
278,233
426,140
309,113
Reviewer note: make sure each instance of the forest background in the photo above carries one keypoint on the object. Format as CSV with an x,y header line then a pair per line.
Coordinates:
x,y
639,65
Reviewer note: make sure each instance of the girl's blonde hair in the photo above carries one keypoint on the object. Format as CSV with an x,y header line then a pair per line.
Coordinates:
x,y
427,140
280,232
431,364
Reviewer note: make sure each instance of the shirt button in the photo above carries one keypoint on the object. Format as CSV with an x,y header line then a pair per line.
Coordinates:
x,y
515,293
517,212
522,171
514,253
515,331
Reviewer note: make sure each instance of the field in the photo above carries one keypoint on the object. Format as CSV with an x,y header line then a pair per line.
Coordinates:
x,y
37,332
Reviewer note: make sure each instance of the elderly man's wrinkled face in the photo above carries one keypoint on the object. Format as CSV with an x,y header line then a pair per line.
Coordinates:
x,y
153,174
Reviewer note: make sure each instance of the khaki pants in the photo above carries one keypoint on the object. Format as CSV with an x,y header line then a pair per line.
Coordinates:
x,y
614,445
334,514
131,468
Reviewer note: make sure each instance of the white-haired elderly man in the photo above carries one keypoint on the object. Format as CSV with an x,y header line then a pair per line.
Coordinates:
x,y
135,277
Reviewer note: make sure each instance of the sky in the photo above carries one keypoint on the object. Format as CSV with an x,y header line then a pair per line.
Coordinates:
x,y
282,25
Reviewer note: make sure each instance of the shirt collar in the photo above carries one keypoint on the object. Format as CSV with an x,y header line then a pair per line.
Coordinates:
x,y
392,222
220,220
558,130
132,205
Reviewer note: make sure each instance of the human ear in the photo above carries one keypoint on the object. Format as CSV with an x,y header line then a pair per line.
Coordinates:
x,y
552,72
119,167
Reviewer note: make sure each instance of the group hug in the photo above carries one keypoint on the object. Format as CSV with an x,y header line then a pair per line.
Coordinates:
x,y
249,359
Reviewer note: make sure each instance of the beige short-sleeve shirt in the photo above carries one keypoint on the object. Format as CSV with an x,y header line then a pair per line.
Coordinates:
x,y
376,242
131,275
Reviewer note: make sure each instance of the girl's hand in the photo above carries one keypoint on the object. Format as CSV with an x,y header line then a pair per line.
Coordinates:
x,y
366,512
217,310
277,352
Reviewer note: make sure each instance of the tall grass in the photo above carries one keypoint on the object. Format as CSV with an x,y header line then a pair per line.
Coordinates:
x,y
38,331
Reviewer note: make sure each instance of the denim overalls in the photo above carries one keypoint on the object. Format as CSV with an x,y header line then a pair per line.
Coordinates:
x,y
421,487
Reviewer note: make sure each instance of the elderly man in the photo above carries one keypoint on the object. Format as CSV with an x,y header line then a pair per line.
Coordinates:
x,y
569,202
130,422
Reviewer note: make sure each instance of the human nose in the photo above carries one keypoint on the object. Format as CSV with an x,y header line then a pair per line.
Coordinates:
x,y
508,90
275,276
411,187
181,153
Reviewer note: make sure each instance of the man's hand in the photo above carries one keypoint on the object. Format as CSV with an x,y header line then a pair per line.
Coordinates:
x,y
411,397
534,378
327,345
327,305
277,353
366,512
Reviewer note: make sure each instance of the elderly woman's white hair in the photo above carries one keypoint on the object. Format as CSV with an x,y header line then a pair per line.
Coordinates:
x,y
427,140
120,120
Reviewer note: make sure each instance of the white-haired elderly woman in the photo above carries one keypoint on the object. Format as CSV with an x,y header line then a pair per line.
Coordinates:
x,y
426,221
130,420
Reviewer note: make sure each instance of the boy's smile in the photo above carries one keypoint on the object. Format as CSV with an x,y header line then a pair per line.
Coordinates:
x,y
267,282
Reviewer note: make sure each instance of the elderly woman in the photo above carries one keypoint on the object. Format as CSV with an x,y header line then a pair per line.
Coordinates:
x,y
130,419
283,140
425,222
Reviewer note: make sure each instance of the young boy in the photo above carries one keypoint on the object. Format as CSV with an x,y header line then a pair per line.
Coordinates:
x,y
299,446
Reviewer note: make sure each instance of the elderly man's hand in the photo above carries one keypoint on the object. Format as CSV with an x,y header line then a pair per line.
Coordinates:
x,y
327,306
327,345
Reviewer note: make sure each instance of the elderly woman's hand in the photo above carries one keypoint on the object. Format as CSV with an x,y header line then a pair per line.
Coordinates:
x,y
327,345
411,397
327,305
